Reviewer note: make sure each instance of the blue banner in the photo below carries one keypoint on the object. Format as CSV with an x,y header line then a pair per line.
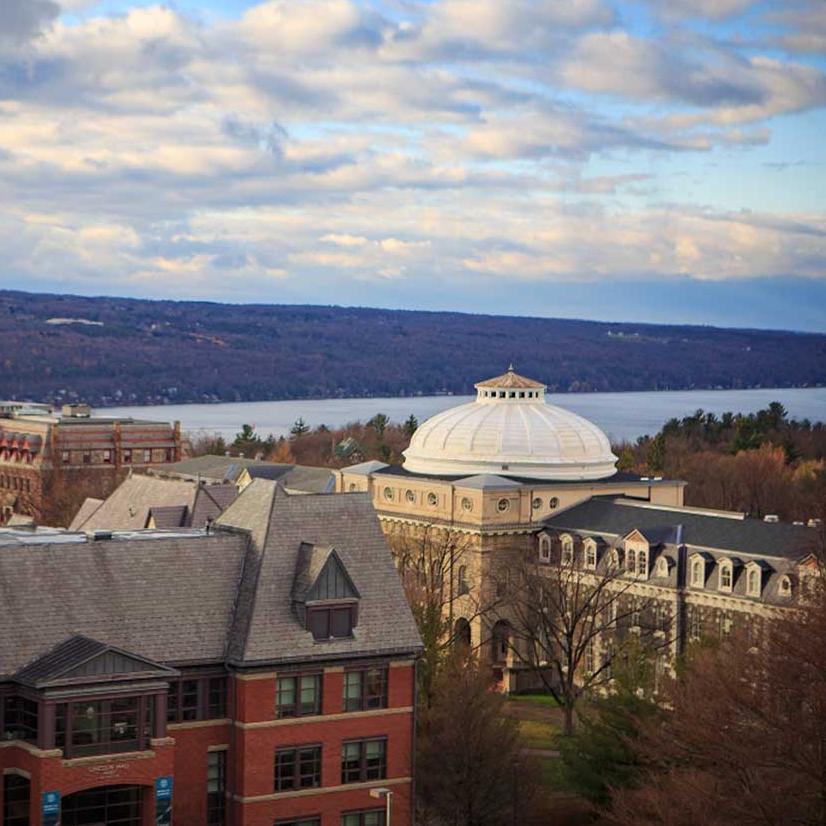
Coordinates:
x,y
163,788
163,801
50,808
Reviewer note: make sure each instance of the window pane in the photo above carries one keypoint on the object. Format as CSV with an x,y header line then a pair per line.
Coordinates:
x,y
320,624
284,769
376,688
217,700
285,697
374,759
310,694
352,690
172,703
350,762
341,623
16,800
189,699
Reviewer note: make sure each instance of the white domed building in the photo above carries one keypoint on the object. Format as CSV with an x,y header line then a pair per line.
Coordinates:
x,y
487,475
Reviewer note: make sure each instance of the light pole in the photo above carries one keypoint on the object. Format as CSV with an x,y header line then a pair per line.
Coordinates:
x,y
387,794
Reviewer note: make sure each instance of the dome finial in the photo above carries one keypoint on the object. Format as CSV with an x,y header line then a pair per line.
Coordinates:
x,y
510,367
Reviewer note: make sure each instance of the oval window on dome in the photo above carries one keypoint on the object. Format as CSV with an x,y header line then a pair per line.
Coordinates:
x,y
388,494
410,496
537,503
467,505
553,502
432,499
503,505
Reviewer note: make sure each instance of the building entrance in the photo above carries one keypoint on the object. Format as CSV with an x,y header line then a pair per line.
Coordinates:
x,y
105,806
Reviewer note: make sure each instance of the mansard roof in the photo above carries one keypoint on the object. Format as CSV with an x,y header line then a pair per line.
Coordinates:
x,y
731,533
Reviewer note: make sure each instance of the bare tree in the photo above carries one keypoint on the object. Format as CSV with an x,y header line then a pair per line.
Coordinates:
x,y
472,768
571,617
434,563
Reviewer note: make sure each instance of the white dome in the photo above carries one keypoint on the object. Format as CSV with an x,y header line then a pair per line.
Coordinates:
x,y
510,431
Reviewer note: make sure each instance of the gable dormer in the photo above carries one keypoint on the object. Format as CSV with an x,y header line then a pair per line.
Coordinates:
x,y
698,568
325,599
637,551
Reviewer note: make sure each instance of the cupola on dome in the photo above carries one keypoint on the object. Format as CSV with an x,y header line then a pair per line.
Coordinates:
x,y
510,430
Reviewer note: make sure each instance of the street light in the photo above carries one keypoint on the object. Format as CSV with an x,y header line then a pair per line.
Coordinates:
x,y
386,794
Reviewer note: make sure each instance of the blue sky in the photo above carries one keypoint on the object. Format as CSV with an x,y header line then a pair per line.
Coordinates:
x,y
653,160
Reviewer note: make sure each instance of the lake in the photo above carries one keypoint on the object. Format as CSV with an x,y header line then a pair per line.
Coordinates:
x,y
620,415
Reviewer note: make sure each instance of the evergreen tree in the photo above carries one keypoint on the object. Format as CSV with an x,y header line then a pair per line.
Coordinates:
x,y
299,428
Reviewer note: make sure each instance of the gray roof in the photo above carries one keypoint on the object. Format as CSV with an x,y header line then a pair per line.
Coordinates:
x,y
280,523
614,516
486,481
174,516
210,502
166,597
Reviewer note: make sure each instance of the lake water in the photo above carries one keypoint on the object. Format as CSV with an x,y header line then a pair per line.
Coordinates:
x,y
620,415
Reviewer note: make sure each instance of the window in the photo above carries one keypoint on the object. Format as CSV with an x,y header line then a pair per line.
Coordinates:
x,y
196,698
725,576
216,788
567,550
64,457
662,566
147,456
20,719
725,625
695,627
388,494
785,587
16,800
697,573
590,658
503,505
642,563
298,768
432,499
298,695
467,505
410,496
100,727
127,456
544,549
753,583
352,487
553,503
363,760
331,622
372,817
365,689
87,457
107,457
590,554
462,586
631,561
536,504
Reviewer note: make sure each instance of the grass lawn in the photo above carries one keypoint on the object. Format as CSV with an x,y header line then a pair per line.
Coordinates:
x,y
539,719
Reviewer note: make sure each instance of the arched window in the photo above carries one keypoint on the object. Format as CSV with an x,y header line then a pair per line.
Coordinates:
x,y
697,573
642,563
725,575
785,587
631,561
462,586
500,641
754,583
590,554
662,566
567,550
461,633
16,799
544,549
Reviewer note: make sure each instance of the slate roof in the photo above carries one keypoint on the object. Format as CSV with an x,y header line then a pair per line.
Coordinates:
x,y
173,516
210,502
615,516
167,598
280,523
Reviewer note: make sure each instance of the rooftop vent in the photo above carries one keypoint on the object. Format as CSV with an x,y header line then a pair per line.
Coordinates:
x,y
98,536
771,517
76,411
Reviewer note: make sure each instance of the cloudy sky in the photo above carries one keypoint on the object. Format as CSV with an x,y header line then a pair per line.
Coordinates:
x,y
657,160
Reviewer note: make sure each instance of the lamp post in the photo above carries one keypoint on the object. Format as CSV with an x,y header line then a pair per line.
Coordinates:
x,y
387,794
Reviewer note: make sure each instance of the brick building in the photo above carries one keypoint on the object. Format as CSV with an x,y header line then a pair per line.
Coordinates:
x,y
258,673
38,443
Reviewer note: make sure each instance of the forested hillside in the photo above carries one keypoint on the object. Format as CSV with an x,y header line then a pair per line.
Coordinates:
x,y
117,350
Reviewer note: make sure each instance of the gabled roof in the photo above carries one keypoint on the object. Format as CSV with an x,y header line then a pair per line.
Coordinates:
x,y
169,599
210,502
320,574
82,659
173,516
280,524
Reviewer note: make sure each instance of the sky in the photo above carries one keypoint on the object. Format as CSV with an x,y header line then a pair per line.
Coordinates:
x,y
640,160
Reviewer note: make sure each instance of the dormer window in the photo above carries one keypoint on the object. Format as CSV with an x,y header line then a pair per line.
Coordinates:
x,y
590,554
642,564
698,574
785,587
324,597
631,561
726,575
567,550
331,622
753,582
662,567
